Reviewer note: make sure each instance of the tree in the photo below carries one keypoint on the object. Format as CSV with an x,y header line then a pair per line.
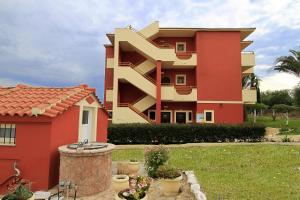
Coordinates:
x,y
296,94
289,64
271,98
254,108
282,108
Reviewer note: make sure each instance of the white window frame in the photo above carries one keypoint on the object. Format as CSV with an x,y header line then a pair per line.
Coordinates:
x,y
186,115
9,141
212,116
179,43
180,75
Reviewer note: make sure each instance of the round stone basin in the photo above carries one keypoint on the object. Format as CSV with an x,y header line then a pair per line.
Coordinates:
x,y
87,166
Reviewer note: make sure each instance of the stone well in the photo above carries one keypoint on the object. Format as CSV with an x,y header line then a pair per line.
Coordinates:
x,y
88,168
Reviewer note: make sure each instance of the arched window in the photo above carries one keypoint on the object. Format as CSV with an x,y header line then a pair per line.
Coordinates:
x,y
165,80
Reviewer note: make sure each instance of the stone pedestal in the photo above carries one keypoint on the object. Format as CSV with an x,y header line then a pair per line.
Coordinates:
x,y
90,170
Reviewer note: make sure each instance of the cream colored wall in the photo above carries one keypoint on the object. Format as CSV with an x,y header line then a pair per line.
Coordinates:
x,y
110,62
249,70
168,93
137,80
248,59
126,115
94,107
146,48
109,95
249,96
192,61
145,103
146,66
151,29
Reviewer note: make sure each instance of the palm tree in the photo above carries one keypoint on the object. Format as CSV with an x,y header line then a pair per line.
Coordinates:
x,y
289,64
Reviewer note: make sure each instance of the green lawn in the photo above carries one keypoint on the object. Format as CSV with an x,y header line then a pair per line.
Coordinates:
x,y
259,171
294,123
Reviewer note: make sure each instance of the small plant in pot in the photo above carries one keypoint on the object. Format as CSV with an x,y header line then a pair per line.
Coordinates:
x,y
171,179
138,187
21,193
155,157
133,166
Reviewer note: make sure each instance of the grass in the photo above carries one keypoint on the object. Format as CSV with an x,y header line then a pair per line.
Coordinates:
x,y
257,171
280,122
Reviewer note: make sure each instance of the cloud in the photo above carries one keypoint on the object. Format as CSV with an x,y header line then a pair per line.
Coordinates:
x,y
59,43
279,81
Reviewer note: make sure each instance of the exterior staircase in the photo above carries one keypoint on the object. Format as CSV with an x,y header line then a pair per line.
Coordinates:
x,y
144,103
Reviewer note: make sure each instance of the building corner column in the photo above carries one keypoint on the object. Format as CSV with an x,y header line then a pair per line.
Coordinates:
x,y
158,92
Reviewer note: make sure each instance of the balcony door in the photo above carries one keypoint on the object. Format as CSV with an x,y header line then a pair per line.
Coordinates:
x,y
180,117
166,117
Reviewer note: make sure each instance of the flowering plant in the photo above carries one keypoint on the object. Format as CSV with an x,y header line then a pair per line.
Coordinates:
x,y
138,186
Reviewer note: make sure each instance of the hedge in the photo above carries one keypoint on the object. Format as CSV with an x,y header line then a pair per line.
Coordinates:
x,y
183,133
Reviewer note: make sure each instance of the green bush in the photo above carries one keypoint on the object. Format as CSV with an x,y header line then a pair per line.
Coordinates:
x,y
183,133
167,172
155,157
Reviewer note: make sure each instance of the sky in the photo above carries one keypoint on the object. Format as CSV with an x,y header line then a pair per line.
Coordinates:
x,y
60,42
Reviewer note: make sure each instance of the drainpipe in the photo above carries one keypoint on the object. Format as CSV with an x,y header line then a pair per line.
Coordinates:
x,y
158,92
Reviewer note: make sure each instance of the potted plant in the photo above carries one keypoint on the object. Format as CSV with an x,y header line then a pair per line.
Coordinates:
x,y
171,180
120,182
21,193
138,187
155,157
133,166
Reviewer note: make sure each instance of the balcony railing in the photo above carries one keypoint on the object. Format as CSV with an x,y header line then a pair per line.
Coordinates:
x,y
248,58
249,96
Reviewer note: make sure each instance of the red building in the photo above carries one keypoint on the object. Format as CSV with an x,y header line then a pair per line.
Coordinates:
x,y
35,121
177,75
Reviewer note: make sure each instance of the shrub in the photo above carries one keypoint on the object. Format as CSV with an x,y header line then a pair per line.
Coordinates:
x,y
168,172
286,139
183,133
155,157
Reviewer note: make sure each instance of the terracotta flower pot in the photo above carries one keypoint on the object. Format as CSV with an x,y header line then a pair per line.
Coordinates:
x,y
171,187
118,198
133,167
120,182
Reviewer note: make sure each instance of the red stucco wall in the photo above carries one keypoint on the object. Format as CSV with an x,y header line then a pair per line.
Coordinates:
x,y
109,75
64,131
224,113
190,42
219,66
219,74
31,152
129,93
102,125
171,73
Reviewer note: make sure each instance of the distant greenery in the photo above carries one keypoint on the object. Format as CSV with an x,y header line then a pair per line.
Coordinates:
x,y
271,98
293,128
259,171
296,93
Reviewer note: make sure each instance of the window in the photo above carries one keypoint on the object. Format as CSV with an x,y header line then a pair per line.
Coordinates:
x,y
165,80
180,79
180,46
151,114
209,116
7,134
110,114
85,117
166,116
190,118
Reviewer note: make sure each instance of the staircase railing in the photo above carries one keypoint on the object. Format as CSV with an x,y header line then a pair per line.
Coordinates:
x,y
136,111
129,64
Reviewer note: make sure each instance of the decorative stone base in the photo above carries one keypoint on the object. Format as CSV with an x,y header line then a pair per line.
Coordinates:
x,y
194,185
89,170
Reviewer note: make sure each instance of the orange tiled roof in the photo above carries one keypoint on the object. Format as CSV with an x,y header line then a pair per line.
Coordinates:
x,y
24,100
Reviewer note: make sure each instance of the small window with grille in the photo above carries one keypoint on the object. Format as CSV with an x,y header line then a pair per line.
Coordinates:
x,y
7,134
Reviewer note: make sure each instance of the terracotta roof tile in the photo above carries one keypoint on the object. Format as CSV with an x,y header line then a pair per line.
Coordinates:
x,y
20,100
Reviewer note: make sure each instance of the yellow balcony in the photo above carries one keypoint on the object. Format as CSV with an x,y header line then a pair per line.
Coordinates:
x,y
248,59
171,93
249,96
